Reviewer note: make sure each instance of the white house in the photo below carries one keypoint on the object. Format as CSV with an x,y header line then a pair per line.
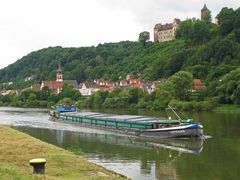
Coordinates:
x,y
87,89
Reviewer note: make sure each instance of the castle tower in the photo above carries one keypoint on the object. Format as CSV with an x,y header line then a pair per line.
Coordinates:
x,y
204,10
59,73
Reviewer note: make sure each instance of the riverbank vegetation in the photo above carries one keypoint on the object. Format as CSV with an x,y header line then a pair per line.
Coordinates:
x,y
202,50
16,149
175,91
43,98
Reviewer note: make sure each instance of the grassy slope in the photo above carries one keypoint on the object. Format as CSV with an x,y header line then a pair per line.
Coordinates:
x,y
16,149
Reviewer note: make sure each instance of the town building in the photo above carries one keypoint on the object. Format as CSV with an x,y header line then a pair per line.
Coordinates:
x,y
123,83
152,86
30,78
103,82
166,32
130,76
87,89
36,87
56,86
59,73
8,92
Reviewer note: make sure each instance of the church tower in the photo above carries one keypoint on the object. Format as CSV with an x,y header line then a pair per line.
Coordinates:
x,y
59,73
204,11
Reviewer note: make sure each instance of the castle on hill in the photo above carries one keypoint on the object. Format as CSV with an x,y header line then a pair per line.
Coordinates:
x,y
167,32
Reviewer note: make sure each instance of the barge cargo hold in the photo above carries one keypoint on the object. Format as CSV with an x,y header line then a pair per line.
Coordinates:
x,y
143,126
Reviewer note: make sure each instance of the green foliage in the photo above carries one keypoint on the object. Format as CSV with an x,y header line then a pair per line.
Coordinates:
x,y
229,88
226,19
207,17
45,93
210,52
193,105
68,91
144,37
194,31
43,98
179,85
162,98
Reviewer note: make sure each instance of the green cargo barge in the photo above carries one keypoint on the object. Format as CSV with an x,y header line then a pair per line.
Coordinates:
x,y
132,124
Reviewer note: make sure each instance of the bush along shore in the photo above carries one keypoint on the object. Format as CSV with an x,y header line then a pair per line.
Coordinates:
x,y
16,149
175,91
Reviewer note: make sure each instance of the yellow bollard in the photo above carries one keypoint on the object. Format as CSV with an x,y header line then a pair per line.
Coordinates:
x,y
38,165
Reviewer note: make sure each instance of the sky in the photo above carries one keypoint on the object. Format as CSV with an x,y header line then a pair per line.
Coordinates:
x,y
30,25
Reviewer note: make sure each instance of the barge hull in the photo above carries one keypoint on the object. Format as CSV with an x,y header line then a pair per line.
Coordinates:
x,y
189,131
181,133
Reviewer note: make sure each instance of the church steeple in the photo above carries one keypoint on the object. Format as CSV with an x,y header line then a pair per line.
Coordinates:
x,y
59,73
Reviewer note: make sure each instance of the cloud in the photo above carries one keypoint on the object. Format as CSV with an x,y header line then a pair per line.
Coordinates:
x,y
148,12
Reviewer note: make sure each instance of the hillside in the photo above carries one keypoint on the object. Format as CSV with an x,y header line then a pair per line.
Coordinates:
x,y
88,63
210,52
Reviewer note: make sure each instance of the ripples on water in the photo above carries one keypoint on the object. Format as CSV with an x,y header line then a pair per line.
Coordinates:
x,y
214,158
37,118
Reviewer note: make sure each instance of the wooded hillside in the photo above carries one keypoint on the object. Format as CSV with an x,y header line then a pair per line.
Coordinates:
x,y
210,52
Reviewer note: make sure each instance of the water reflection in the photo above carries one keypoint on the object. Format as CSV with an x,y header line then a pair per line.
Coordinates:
x,y
120,153
139,159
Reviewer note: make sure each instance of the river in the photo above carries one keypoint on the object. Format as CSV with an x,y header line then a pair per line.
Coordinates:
x,y
216,157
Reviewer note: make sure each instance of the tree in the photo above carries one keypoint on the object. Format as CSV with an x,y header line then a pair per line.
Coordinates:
x,y
99,98
163,97
207,17
144,37
176,62
158,68
68,91
185,29
226,19
194,31
135,94
45,93
229,89
224,47
179,85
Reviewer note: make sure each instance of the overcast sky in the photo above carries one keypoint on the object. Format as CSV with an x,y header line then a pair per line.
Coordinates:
x,y
30,25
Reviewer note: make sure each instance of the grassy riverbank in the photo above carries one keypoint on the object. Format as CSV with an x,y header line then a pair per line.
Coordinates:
x,y
223,107
16,149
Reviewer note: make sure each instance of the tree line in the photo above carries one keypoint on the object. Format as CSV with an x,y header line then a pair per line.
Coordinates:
x,y
210,52
44,98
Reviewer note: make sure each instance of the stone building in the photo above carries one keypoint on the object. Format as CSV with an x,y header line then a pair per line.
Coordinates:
x,y
204,11
166,32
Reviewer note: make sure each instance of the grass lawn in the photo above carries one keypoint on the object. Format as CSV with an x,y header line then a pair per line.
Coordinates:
x,y
227,107
16,149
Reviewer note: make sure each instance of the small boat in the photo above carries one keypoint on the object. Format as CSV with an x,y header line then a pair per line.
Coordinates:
x,y
142,126
66,107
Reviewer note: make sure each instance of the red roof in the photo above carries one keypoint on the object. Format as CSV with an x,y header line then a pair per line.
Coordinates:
x,y
53,85
136,81
105,88
136,85
197,85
